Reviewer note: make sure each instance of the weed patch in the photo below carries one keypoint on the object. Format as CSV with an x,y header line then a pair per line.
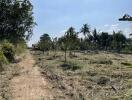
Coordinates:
x,y
126,64
70,66
107,62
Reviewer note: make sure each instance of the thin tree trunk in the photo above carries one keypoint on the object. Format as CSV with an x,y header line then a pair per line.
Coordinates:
x,y
65,57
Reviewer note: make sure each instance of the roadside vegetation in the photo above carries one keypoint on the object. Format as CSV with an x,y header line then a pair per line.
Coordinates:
x,y
16,24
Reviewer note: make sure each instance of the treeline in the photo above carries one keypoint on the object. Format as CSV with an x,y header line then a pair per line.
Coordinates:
x,y
93,40
16,26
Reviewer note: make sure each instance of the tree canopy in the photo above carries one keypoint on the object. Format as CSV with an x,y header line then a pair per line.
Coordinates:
x,y
16,20
126,17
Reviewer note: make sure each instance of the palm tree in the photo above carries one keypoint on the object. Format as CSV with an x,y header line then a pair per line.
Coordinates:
x,y
95,37
85,30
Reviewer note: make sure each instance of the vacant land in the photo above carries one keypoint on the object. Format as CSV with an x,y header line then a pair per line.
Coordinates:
x,y
85,76
88,76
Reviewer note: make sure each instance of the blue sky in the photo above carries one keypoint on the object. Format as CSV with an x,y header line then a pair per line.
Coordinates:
x,y
55,16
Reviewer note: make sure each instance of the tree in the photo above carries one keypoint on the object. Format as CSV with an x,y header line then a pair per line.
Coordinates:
x,y
119,40
85,30
55,45
126,17
45,42
64,45
95,38
72,37
69,41
105,40
16,20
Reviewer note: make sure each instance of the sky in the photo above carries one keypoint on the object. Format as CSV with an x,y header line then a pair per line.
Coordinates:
x,y
56,16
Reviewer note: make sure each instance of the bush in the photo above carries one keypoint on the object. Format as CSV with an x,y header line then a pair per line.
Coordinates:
x,y
126,64
8,51
105,61
103,80
70,66
3,60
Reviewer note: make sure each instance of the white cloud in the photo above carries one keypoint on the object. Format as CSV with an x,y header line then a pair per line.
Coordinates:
x,y
111,28
117,27
81,35
61,33
114,27
127,31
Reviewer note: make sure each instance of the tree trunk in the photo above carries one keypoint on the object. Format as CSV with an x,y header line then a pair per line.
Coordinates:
x,y
65,56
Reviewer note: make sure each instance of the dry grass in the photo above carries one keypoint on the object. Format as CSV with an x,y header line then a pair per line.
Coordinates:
x,y
5,77
101,76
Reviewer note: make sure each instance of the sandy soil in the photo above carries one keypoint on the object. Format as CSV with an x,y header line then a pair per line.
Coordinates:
x,y
29,84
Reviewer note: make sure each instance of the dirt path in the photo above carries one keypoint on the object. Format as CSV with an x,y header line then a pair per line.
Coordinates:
x,y
29,85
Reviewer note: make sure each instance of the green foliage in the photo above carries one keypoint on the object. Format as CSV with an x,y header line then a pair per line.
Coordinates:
x,y
126,64
45,42
105,40
8,51
85,30
101,61
127,49
69,41
3,60
70,66
16,20
119,40
116,42
126,17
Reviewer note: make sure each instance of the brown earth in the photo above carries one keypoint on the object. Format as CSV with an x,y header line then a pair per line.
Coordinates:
x,y
29,84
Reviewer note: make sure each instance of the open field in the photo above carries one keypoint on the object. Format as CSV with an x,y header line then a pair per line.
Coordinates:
x,y
88,76
65,50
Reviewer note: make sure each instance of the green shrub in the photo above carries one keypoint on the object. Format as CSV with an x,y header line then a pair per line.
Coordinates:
x,y
8,51
70,66
105,61
3,60
126,64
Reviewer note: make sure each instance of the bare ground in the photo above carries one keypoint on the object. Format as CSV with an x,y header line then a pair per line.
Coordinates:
x,y
29,84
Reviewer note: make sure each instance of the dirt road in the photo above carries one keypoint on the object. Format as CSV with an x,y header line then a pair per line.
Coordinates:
x,y
29,84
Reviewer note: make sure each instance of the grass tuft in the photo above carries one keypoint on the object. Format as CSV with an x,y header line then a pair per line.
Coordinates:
x,y
70,66
126,64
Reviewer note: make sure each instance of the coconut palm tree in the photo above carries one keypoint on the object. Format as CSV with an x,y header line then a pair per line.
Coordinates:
x,y
85,30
